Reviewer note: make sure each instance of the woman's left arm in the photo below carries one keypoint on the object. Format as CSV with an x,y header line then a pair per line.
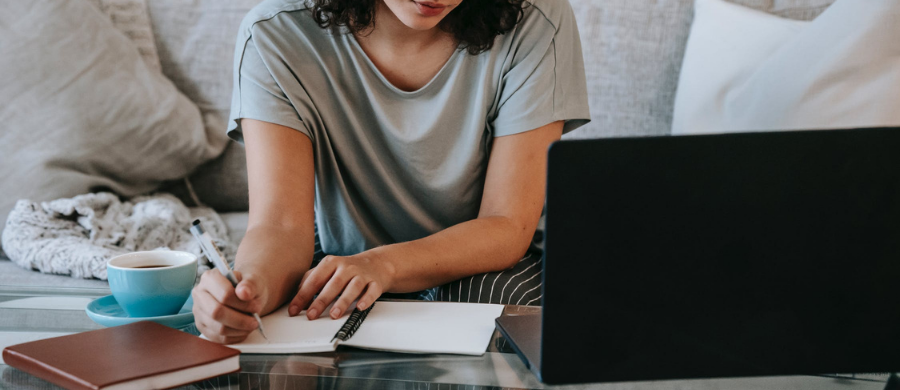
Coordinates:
x,y
510,209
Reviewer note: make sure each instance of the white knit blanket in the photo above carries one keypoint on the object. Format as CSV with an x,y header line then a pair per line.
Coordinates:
x,y
78,236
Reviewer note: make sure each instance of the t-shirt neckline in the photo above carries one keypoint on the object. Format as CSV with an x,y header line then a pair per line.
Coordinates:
x,y
387,83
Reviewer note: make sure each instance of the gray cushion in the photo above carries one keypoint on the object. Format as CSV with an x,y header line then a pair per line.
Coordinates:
x,y
633,51
222,183
794,9
13,277
130,17
80,110
195,41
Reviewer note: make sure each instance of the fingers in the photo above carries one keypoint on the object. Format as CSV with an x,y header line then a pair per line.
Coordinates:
x,y
223,315
312,283
341,278
218,338
353,290
247,292
246,289
219,314
221,331
221,289
217,332
373,291
298,302
331,291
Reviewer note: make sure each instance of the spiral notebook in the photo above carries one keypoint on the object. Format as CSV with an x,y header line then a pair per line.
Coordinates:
x,y
408,327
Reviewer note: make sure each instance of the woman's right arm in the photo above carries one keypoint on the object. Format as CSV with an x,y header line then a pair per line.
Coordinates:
x,y
279,244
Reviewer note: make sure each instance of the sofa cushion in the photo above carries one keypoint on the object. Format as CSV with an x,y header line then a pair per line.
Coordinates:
x,y
80,110
842,70
633,51
130,17
727,44
746,70
195,40
791,9
15,278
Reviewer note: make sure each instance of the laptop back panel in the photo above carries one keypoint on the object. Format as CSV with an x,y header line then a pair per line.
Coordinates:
x,y
524,336
722,255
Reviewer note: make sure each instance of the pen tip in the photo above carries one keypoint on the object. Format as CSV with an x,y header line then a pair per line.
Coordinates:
x,y
196,222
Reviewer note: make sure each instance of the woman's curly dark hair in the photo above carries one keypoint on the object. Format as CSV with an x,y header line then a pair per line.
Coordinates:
x,y
474,23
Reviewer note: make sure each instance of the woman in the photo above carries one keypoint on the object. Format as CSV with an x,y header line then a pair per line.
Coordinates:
x,y
411,134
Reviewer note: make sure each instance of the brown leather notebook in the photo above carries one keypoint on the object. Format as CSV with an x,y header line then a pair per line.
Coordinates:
x,y
142,355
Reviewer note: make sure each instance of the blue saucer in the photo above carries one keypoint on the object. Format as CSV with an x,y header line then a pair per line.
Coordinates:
x,y
107,312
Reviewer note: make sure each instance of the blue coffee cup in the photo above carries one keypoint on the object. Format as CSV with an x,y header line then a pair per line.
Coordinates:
x,y
153,283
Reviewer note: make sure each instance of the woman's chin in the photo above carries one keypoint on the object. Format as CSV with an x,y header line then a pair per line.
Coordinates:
x,y
420,23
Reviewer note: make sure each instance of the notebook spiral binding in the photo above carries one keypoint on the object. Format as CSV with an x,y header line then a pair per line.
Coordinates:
x,y
356,319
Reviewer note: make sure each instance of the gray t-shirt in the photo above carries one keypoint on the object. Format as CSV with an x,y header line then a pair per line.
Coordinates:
x,y
390,165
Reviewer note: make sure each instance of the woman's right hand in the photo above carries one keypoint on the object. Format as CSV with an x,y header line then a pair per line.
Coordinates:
x,y
224,313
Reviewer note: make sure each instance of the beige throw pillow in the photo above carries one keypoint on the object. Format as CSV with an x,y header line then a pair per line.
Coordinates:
x,y
131,18
80,111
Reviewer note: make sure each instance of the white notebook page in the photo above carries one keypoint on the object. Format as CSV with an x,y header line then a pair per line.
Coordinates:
x,y
411,327
293,334
428,327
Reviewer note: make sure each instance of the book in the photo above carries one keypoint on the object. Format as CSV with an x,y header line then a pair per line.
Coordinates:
x,y
408,327
141,355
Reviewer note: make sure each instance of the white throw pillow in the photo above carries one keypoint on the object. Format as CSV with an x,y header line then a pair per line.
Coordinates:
x,y
81,111
746,70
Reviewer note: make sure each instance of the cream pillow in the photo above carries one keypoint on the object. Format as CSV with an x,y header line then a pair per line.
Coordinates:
x,y
81,111
746,70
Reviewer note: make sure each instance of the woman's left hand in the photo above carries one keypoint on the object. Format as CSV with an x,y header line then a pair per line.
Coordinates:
x,y
353,278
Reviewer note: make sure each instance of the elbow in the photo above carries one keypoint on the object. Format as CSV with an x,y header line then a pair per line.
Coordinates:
x,y
521,236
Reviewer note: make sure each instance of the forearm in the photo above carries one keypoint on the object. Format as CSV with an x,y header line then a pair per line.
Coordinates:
x,y
510,208
276,257
481,245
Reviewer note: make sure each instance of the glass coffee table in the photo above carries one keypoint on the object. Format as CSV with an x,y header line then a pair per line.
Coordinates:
x,y
31,313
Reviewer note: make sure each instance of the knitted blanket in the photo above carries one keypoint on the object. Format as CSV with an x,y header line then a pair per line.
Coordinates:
x,y
77,236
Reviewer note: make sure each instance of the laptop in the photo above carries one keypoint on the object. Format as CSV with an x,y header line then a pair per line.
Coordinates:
x,y
718,256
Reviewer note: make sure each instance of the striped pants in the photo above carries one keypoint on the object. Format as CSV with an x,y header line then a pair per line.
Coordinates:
x,y
519,285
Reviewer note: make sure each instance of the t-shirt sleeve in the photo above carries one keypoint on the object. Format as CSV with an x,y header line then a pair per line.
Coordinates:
x,y
258,95
545,81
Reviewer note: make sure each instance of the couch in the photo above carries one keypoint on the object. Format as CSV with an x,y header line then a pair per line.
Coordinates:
x,y
633,51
